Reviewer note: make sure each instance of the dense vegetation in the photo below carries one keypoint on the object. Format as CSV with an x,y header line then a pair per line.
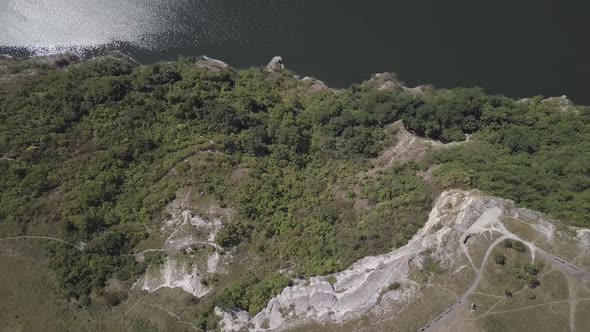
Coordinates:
x,y
86,153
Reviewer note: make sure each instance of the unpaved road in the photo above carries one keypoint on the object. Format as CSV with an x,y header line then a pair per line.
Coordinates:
x,y
569,270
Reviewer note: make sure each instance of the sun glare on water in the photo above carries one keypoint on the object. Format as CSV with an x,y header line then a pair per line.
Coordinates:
x,y
53,26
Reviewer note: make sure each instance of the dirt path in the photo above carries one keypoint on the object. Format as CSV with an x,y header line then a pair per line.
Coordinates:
x,y
170,313
448,315
557,263
49,238
573,303
533,306
140,256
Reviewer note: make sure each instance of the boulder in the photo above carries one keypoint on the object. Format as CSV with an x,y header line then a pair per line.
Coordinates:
x,y
65,60
208,63
59,60
315,85
276,64
383,82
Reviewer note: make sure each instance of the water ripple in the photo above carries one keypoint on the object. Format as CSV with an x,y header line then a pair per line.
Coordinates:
x,y
53,26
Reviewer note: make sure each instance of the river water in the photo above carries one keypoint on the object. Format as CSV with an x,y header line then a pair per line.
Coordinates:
x,y
518,48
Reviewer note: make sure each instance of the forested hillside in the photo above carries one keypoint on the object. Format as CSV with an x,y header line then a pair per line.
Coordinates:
x,y
92,152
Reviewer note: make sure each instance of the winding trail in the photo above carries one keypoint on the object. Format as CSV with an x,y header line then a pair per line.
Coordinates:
x,y
568,269
49,238
170,313
533,306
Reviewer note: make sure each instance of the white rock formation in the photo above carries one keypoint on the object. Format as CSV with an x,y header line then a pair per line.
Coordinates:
x,y
211,64
384,82
456,216
276,64
235,322
563,103
315,85
186,229
390,82
583,235
185,267
407,147
174,274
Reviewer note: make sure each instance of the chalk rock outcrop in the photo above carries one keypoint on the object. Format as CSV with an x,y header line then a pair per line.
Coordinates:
x,y
366,287
390,82
563,103
211,64
583,235
191,254
276,64
384,82
315,85
175,273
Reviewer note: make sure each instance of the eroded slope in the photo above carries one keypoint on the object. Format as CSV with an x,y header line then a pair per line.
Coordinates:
x,y
380,291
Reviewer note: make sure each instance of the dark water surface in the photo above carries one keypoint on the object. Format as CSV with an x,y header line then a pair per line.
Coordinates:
x,y
517,48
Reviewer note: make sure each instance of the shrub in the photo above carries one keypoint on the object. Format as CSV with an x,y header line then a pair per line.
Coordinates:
x,y
394,286
332,280
519,246
527,273
431,266
499,259
452,176
251,293
232,234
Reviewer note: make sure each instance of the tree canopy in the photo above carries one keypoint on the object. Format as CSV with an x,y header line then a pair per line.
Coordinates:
x,y
87,152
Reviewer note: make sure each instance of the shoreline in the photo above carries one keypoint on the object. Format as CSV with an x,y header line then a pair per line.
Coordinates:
x,y
387,81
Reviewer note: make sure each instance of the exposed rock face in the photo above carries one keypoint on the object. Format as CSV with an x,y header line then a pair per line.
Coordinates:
x,y
276,64
563,103
191,254
583,235
364,288
235,322
419,90
211,64
384,82
186,229
390,82
315,85
175,273
407,147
